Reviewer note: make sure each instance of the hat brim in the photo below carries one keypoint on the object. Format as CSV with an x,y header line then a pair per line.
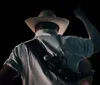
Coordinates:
x,y
61,22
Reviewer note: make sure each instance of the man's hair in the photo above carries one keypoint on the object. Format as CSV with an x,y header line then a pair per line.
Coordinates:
x,y
46,25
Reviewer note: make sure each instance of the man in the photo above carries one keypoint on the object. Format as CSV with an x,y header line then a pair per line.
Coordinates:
x,y
49,30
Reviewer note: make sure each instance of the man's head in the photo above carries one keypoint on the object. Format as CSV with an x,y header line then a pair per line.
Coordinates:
x,y
46,25
47,20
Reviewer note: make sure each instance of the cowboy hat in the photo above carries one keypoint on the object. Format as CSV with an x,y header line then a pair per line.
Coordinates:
x,y
48,15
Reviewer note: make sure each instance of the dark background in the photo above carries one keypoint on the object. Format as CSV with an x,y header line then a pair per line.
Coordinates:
x,y
14,30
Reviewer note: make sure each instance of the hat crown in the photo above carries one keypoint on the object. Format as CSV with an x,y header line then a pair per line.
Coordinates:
x,y
47,13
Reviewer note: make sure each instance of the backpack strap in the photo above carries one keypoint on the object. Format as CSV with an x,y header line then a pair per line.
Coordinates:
x,y
37,49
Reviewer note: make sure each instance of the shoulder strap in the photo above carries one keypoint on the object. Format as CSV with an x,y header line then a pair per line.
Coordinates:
x,y
37,48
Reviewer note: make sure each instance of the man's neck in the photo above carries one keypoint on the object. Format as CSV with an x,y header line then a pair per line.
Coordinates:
x,y
45,32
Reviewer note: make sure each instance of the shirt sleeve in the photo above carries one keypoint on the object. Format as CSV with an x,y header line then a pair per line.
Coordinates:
x,y
80,46
14,60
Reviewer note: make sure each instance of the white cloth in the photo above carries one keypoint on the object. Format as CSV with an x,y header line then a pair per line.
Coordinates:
x,y
33,72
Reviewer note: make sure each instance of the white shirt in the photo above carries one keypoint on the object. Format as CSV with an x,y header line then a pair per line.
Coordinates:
x,y
33,72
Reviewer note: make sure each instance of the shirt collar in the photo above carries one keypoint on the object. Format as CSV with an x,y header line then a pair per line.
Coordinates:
x,y
45,32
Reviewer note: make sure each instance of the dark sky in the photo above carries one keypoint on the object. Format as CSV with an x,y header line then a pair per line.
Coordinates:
x,y
14,30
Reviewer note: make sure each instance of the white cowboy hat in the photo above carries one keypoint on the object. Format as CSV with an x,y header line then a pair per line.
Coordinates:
x,y
48,15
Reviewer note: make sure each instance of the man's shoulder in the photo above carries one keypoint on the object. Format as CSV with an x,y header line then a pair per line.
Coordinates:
x,y
71,37
22,44
28,41
75,39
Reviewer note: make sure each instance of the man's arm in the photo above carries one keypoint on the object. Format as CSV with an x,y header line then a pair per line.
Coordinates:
x,y
85,66
6,75
93,33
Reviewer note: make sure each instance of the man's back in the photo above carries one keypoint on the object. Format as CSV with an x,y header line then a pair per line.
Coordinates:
x,y
33,72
